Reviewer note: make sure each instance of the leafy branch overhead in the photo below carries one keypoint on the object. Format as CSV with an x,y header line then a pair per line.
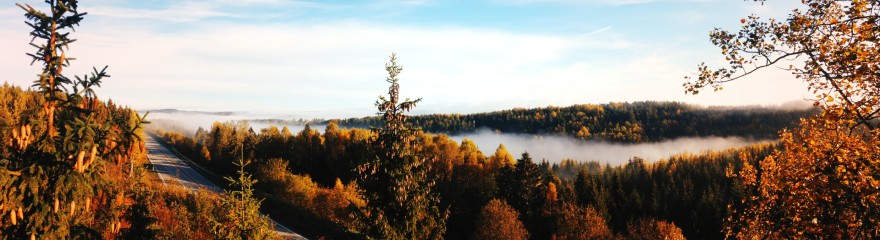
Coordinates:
x,y
832,46
824,183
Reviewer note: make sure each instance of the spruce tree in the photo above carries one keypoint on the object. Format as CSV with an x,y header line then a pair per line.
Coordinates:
x,y
401,203
242,219
52,177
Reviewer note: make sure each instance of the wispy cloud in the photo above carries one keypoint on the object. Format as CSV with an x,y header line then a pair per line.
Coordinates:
x,y
182,12
334,62
403,2
190,11
597,31
578,2
341,60
595,2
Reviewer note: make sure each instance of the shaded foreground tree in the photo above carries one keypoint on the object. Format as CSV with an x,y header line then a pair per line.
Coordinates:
x,y
499,221
400,201
523,186
242,219
825,182
53,175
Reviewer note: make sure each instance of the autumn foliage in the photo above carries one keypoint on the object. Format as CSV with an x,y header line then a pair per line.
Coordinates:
x,y
499,221
66,159
70,163
649,229
824,183
576,222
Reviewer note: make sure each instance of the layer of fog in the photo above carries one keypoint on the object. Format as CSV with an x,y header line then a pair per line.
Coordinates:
x,y
188,122
552,148
556,148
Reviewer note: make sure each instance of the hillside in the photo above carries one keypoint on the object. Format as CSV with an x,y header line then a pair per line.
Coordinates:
x,y
616,122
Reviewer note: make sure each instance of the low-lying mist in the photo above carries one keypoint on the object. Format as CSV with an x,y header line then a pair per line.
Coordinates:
x,y
188,122
555,148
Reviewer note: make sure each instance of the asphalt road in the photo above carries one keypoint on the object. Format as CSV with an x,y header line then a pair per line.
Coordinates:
x,y
172,170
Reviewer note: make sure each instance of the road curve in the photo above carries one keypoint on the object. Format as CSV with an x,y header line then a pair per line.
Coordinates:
x,y
172,170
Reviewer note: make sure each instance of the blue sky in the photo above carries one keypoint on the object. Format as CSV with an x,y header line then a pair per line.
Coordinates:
x,y
326,58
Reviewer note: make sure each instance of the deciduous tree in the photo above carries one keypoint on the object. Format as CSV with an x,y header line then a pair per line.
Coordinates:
x,y
650,229
501,157
824,184
499,221
575,222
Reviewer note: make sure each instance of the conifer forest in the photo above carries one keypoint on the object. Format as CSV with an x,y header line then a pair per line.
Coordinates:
x,y
84,155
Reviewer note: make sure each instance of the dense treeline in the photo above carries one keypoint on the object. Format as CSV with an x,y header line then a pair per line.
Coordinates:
x,y
691,191
616,122
352,183
313,175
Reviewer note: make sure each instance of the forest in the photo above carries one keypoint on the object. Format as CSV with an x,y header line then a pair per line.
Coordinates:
x,y
315,173
75,166
615,122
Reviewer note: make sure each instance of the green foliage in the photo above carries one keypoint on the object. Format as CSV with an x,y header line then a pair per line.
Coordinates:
x,y
66,148
397,188
296,189
143,222
691,191
687,190
523,187
306,204
242,219
615,122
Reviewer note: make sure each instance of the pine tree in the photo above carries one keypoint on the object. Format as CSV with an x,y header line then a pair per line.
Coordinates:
x,y
522,186
53,173
242,219
401,203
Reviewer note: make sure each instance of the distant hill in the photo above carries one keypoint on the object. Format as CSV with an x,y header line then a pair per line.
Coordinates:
x,y
615,122
174,111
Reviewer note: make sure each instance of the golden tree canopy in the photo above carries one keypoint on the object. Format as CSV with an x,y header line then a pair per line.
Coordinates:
x,y
824,183
499,221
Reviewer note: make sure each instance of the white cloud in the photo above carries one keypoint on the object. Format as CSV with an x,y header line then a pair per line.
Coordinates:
x,y
577,2
339,60
403,2
594,2
181,12
337,67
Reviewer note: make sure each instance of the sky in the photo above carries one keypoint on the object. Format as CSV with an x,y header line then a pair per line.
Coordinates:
x,y
325,59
